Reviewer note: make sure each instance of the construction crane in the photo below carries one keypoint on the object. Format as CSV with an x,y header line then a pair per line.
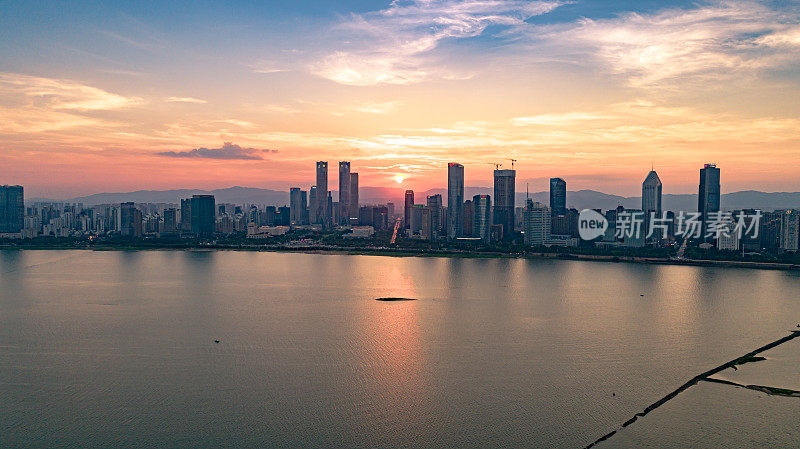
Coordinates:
x,y
512,162
496,165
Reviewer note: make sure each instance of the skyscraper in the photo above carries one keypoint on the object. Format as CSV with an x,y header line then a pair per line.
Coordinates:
x,y
12,209
708,199
434,203
482,205
186,215
313,205
651,194
203,219
297,206
790,230
409,203
455,199
170,222
537,223
504,196
344,193
130,219
323,215
558,197
353,213
469,218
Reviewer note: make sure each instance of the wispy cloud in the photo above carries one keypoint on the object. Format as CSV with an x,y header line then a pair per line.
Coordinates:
x,y
400,37
378,108
184,100
62,94
709,42
228,151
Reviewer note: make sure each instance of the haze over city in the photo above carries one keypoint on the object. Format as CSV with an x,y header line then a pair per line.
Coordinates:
x,y
115,97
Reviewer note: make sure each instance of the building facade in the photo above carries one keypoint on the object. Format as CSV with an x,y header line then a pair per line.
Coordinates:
x,y
537,223
504,197
12,209
455,200
482,206
344,193
558,196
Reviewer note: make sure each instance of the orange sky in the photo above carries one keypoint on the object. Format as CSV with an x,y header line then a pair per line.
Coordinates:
x,y
595,101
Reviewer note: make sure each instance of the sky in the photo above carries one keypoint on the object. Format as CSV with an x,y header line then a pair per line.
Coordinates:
x,y
120,96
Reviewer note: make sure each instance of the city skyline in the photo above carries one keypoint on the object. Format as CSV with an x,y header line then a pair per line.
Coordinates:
x,y
589,92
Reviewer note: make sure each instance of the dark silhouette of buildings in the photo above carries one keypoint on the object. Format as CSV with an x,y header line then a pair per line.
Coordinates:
x,y
558,197
504,196
455,199
203,217
12,209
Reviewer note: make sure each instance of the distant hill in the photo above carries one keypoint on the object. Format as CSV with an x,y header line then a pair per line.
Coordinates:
x,y
581,199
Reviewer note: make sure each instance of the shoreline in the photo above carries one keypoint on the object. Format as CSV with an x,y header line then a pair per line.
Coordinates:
x,y
402,252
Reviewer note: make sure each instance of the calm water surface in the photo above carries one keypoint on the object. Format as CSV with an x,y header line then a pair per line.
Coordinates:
x,y
117,349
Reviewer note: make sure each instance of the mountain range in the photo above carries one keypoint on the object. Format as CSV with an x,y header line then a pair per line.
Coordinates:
x,y
580,199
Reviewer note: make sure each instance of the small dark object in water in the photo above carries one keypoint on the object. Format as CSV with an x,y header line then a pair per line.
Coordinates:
x,y
216,341
641,295
613,394
395,299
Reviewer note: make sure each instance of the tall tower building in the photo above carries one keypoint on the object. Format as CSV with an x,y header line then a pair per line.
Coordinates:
x,y
322,214
313,205
558,197
651,194
12,209
434,203
409,203
708,198
344,193
790,230
537,223
186,215
353,212
455,200
297,206
203,215
482,206
504,196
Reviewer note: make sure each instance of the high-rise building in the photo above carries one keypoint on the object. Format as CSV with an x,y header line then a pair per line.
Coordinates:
x,y
434,203
12,209
297,206
455,200
186,215
729,240
504,196
313,205
323,213
651,193
344,193
170,220
790,230
203,207
409,203
353,213
537,223
482,205
468,219
130,219
558,196
708,198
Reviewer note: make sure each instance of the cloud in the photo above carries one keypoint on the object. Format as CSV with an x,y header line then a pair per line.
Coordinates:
x,y
401,37
184,100
710,42
228,151
62,94
378,108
